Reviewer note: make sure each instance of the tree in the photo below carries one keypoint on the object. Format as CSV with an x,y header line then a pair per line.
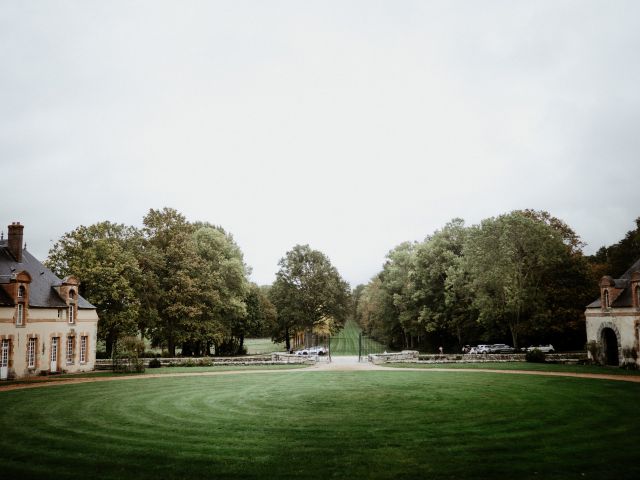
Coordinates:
x,y
617,258
221,280
507,260
103,257
170,266
308,291
439,305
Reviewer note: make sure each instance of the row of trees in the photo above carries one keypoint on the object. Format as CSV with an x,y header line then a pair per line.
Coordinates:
x,y
520,275
185,285
179,284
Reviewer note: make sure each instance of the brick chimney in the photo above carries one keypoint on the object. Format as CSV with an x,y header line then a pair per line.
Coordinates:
x,y
14,240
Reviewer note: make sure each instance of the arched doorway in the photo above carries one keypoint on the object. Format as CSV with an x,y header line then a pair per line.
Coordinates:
x,y
610,347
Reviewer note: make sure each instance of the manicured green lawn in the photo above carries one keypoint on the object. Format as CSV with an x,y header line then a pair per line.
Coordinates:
x,y
262,345
540,367
346,342
310,425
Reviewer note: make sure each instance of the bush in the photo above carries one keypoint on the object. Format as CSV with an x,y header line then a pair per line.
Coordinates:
x,y
127,355
154,363
230,347
594,350
535,356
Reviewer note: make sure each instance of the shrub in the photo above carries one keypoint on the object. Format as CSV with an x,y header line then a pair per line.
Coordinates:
x,y
127,355
630,356
535,356
154,363
229,347
594,350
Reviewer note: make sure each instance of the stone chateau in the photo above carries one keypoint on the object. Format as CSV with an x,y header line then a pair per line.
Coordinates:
x,y
45,325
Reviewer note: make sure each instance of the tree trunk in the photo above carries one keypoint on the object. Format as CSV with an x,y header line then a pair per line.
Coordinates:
x,y
286,339
109,342
241,341
171,346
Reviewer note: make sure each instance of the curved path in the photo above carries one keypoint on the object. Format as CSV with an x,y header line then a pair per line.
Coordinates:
x,y
338,364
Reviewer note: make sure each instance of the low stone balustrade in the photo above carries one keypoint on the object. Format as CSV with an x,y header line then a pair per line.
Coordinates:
x,y
403,356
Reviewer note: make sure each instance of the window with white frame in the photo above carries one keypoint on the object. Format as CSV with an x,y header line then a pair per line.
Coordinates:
x,y
31,353
4,353
606,299
70,345
21,291
20,316
83,349
71,314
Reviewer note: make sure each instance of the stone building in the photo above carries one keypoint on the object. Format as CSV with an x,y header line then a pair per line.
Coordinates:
x,y
613,320
45,325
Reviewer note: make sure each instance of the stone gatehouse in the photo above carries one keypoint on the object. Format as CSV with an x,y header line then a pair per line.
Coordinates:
x,y
613,320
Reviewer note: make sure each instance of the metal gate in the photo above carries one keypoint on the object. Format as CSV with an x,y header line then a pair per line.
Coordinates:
x,y
368,345
357,345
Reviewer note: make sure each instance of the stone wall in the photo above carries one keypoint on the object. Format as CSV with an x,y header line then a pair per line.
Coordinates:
x,y
484,358
404,356
274,359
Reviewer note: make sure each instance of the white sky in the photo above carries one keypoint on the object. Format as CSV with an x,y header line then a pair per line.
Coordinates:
x,y
351,126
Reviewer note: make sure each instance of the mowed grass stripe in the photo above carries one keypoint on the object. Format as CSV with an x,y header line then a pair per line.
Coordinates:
x,y
347,341
342,424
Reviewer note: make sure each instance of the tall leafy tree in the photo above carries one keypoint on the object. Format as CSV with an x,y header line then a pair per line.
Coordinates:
x,y
171,266
103,257
308,291
617,258
507,260
223,289
439,306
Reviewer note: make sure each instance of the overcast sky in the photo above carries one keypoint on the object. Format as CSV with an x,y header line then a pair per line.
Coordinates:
x,y
349,125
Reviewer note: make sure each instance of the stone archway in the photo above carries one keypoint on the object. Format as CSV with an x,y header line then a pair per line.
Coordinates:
x,y
609,337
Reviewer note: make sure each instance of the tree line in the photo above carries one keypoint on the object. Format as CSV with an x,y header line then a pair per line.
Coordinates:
x,y
520,278
178,283
185,285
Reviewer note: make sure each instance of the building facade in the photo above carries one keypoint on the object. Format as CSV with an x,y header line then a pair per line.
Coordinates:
x,y
613,320
45,325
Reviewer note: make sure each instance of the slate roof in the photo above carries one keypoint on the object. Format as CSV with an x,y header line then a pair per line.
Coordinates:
x,y
625,299
41,291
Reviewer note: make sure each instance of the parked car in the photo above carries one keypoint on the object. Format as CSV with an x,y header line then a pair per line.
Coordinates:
x,y
483,349
319,350
543,348
502,348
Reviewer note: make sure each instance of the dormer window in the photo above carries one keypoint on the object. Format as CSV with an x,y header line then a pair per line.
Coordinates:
x,y
638,297
72,318
606,299
21,291
72,295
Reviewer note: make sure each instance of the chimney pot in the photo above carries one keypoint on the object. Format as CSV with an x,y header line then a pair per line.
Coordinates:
x,y
14,240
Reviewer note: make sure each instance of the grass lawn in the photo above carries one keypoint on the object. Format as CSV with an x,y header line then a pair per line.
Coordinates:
x,y
262,345
301,424
540,367
346,342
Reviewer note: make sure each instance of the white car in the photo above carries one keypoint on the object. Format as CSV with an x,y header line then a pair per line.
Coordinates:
x,y
483,349
543,348
319,350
